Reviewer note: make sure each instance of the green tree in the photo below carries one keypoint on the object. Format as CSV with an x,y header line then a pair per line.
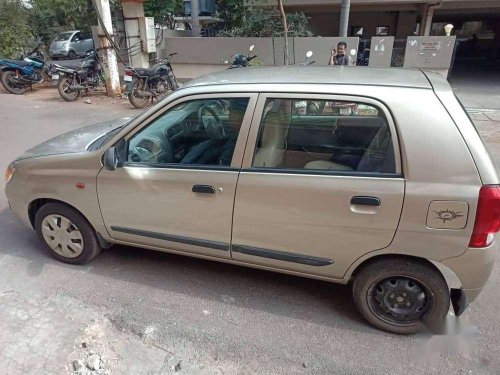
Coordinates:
x,y
164,11
49,17
266,22
231,12
14,30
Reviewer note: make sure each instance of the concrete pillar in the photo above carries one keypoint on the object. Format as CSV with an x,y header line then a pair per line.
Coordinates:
x,y
110,63
132,11
195,17
427,21
344,17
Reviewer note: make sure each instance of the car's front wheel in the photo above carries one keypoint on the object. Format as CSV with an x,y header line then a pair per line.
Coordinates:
x,y
402,296
67,234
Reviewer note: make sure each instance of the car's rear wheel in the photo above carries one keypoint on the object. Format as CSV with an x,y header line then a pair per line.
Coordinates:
x,y
401,296
66,233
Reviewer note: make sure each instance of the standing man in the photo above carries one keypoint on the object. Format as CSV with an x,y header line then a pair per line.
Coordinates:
x,y
338,56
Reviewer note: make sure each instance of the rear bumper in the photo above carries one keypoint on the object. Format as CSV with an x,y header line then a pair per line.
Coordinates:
x,y
473,268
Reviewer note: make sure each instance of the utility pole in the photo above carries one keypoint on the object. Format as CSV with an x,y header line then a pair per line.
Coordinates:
x,y
285,29
109,61
195,17
344,17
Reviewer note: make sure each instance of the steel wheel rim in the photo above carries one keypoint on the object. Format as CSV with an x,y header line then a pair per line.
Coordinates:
x,y
62,236
399,300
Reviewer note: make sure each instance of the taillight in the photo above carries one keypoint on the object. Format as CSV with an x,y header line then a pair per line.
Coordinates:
x,y
129,72
487,216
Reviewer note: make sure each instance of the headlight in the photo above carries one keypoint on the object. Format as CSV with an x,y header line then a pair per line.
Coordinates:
x,y
9,173
65,45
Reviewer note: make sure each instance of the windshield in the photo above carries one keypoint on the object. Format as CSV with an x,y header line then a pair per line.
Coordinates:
x,y
102,140
62,37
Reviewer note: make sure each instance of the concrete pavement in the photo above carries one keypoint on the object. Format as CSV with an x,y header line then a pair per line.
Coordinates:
x,y
145,312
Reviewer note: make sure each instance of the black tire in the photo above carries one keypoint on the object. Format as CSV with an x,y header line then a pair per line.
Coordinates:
x,y
135,99
372,283
91,246
11,87
71,55
63,88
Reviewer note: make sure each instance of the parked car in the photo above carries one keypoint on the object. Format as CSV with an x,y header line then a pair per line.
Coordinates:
x,y
71,44
382,198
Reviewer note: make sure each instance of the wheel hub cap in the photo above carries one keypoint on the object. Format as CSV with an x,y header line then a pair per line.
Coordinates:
x,y
62,236
399,300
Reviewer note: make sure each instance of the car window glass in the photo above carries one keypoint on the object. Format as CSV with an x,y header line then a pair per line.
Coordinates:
x,y
76,37
323,135
63,37
198,132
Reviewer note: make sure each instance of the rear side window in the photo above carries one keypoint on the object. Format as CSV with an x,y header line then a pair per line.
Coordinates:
x,y
323,135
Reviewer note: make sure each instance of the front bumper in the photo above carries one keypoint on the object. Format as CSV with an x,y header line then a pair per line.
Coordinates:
x,y
58,53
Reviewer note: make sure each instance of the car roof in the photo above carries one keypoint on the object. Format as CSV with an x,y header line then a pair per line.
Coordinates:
x,y
345,75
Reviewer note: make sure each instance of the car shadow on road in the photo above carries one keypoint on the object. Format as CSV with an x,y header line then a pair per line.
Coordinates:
x,y
294,297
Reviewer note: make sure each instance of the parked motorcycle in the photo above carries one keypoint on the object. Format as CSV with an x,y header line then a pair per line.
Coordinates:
x,y
155,82
72,81
240,60
18,75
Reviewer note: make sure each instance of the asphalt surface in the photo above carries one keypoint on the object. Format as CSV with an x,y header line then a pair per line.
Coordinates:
x,y
147,312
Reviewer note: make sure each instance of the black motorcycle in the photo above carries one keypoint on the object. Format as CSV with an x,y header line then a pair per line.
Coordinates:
x,y
154,83
240,60
19,75
73,80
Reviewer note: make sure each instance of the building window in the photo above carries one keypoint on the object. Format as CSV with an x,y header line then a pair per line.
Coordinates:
x,y
382,30
357,31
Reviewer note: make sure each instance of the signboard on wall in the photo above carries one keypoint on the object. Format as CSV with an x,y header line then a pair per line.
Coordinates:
x,y
432,52
381,51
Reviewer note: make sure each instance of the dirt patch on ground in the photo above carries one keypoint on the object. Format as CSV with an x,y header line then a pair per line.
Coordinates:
x,y
48,92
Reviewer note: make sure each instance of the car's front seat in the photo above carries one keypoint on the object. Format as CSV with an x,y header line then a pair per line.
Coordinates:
x,y
272,142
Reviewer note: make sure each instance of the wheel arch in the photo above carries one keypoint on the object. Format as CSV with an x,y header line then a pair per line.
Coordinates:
x,y
38,203
448,274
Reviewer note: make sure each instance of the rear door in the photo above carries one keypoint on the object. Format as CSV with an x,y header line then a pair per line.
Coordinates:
x,y
317,192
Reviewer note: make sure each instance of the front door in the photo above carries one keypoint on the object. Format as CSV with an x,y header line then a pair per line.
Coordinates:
x,y
176,189
317,191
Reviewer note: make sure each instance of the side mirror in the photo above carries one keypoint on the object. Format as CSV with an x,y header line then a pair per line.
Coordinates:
x,y
110,160
252,47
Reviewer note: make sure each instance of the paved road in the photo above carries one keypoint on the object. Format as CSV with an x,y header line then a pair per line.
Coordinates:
x,y
149,312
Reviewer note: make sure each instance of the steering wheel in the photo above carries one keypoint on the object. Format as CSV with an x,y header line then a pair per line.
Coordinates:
x,y
213,126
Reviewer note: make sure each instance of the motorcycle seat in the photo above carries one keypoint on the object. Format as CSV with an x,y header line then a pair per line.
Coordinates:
x,y
145,72
16,62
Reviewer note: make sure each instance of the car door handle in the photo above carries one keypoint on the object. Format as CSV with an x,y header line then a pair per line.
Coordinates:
x,y
366,201
203,189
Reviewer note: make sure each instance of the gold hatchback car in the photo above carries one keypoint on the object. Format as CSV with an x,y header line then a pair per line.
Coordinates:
x,y
374,177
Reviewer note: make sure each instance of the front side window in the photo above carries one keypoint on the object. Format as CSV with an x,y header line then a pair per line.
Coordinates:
x,y
324,135
199,132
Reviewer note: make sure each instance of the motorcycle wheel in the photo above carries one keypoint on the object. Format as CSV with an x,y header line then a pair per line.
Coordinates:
x,y
138,101
8,82
167,90
63,88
